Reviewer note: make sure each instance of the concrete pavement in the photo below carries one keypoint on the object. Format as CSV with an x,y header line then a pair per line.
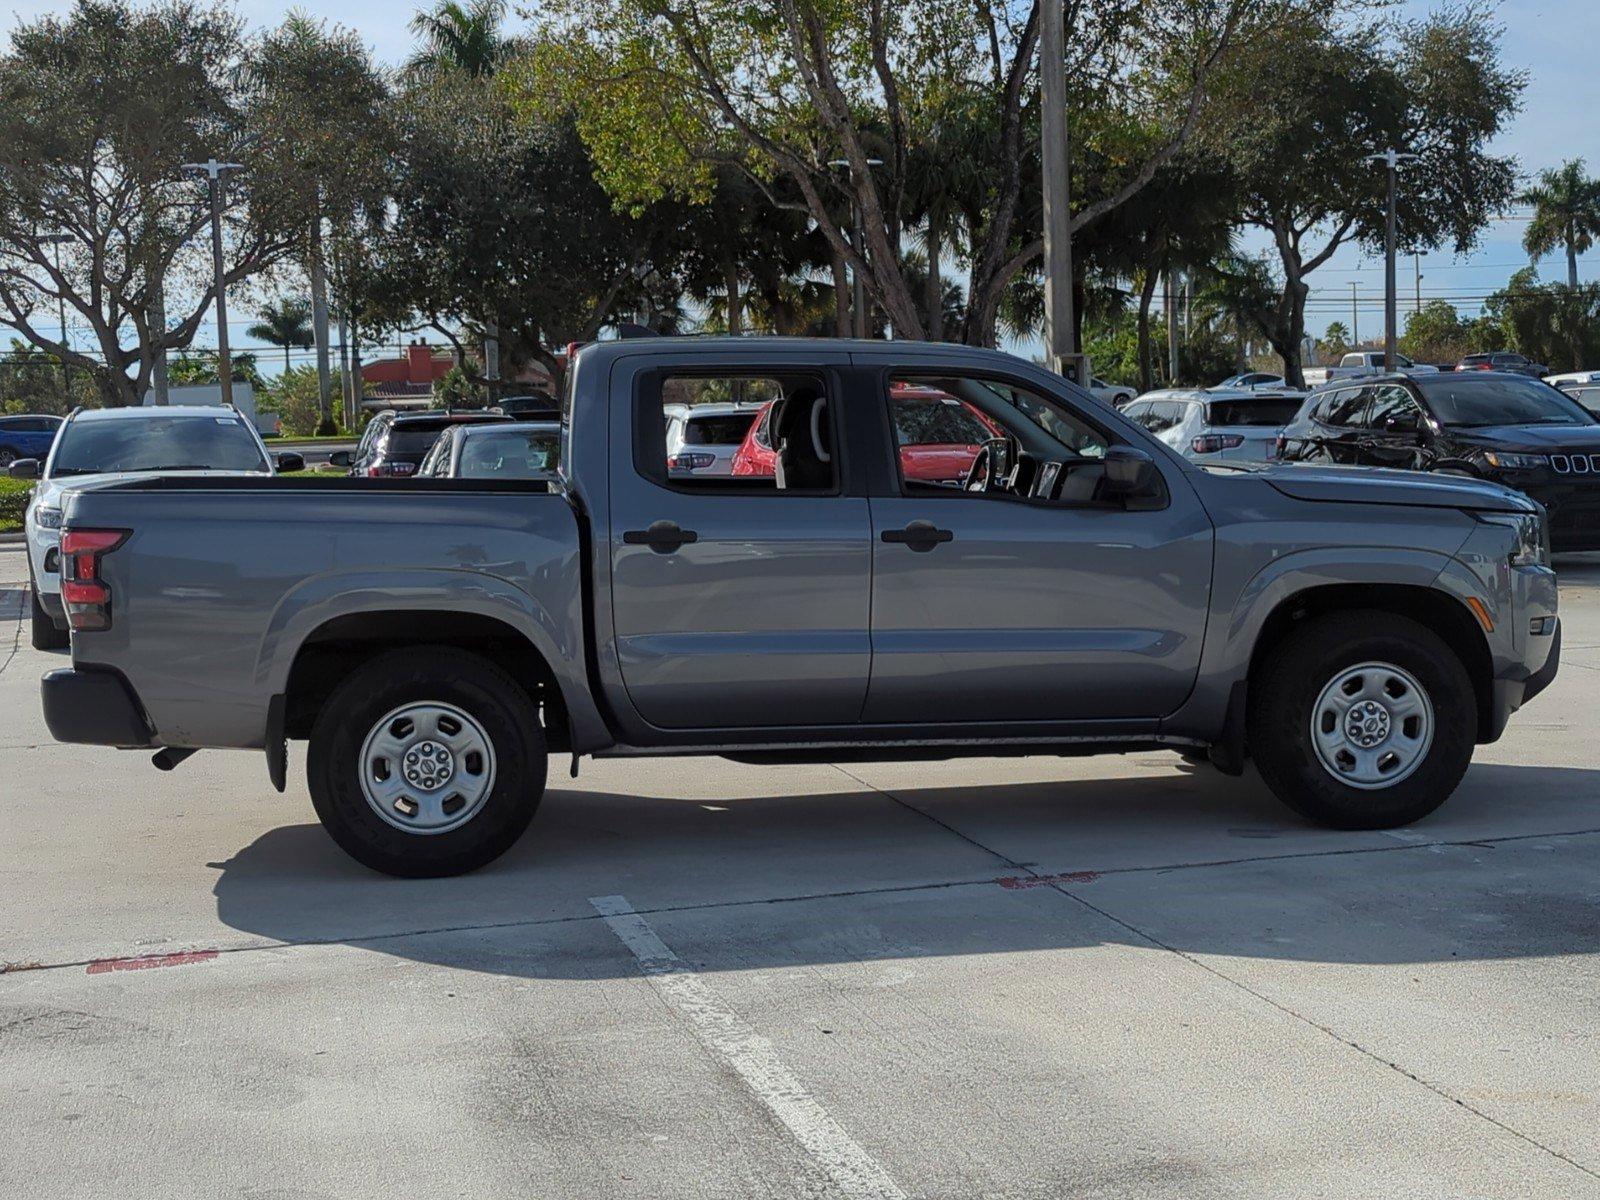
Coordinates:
x,y
1012,978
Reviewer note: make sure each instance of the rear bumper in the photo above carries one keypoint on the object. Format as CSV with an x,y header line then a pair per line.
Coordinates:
x,y
94,708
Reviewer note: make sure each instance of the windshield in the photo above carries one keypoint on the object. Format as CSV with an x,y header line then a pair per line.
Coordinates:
x,y
516,454
1253,412
1466,400
157,443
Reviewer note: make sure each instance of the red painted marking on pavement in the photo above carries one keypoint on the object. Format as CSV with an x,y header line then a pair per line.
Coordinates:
x,y
101,965
1017,882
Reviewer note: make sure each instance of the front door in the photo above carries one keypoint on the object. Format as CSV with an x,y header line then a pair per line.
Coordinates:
x,y
1394,429
740,601
1037,599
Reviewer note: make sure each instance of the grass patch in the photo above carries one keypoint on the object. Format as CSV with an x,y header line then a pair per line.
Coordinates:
x,y
13,501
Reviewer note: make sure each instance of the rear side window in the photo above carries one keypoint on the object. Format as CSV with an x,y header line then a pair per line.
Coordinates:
x,y
698,432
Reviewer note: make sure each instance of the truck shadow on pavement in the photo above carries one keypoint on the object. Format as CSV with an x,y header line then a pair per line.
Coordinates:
x,y
1190,860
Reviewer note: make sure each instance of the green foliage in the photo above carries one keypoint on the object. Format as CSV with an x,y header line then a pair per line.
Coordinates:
x,y
13,502
200,367
1566,215
457,37
285,322
294,396
1335,343
1550,323
456,389
1437,334
31,382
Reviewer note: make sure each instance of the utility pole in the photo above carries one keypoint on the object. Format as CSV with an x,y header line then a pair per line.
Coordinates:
x,y
1060,343
214,172
1416,265
1355,317
858,238
1391,158
157,321
54,240
491,361
1168,302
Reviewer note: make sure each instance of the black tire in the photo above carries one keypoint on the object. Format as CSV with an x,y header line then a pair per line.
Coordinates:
x,y
431,674
46,634
1285,691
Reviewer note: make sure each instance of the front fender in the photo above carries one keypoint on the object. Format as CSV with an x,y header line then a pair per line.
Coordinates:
x,y
557,636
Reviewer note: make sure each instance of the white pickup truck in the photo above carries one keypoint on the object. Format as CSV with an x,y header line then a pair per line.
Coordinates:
x,y
1363,362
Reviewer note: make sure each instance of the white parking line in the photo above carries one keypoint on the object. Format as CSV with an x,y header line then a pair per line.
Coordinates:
x,y
855,1172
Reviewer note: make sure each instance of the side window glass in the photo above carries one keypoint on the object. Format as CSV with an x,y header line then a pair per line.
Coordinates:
x,y
711,440
1343,408
944,425
1394,409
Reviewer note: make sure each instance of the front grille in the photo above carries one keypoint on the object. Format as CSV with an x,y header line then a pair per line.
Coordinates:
x,y
1575,464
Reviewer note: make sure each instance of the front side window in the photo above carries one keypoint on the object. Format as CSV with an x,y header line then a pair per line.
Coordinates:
x,y
1343,408
1394,408
1034,442
158,443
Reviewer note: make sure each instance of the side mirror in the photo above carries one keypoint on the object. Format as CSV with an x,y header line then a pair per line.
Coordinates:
x,y
24,468
1133,477
290,461
341,458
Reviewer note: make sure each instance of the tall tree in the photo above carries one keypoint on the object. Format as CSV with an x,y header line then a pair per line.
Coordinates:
x,y
1566,215
285,323
99,110
320,115
456,37
1298,138
813,92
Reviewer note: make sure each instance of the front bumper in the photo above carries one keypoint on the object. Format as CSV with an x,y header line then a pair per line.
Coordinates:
x,y
94,708
1507,694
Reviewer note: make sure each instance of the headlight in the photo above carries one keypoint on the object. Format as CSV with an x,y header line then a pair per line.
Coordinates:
x,y
1532,546
47,518
1514,462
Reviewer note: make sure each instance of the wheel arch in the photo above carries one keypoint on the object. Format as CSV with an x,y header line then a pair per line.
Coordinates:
x,y
1431,607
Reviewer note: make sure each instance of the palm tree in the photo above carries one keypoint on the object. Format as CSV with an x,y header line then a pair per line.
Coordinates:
x,y
1566,214
459,37
286,323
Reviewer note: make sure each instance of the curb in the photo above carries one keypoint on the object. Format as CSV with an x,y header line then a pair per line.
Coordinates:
x,y
12,539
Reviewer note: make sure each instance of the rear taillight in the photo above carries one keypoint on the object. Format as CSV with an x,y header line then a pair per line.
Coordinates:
x,y
1211,443
391,469
87,597
690,462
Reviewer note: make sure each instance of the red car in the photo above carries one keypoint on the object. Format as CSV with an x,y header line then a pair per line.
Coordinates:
x,y
939,436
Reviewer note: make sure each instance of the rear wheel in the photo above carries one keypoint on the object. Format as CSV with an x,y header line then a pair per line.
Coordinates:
x,y
1362,720
427,762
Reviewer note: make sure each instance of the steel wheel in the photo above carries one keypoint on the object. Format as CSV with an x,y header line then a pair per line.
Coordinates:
x,y
1372,725
427,768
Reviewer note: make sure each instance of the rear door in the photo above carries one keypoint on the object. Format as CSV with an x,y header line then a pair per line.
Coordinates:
x,y
737,602
1039,607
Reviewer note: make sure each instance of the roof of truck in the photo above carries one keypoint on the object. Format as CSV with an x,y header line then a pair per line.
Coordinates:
x,y
627,347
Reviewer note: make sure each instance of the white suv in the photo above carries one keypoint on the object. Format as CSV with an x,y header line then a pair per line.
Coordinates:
x,y
96,447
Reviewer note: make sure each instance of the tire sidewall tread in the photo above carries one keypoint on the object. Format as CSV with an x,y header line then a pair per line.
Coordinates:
x,y
388,681
1287,686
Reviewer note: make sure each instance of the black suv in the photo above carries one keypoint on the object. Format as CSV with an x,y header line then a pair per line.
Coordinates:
x,y
1503,360
396,443
1509,429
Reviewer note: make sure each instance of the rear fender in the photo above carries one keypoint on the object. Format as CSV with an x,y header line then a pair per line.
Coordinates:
x,y
557,637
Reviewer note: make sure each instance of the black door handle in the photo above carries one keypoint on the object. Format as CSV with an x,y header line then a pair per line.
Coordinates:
x,y
663,537
919,535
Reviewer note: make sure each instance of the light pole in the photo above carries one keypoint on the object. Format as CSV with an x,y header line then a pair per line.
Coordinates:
x,y
213,171
55,240
858,290
1060,344
1391,158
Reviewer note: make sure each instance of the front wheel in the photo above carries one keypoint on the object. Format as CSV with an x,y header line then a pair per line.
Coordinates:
x,y
1362,720
427,762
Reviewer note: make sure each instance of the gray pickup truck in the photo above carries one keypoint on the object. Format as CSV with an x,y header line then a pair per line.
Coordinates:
x,y
923,551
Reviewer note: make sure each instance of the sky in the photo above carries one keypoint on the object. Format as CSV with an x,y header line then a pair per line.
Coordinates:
x,y
1553,40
